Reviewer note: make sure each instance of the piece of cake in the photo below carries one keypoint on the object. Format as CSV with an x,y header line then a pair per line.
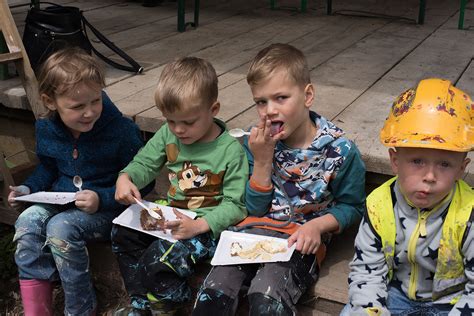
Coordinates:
x,y
150,223
263,249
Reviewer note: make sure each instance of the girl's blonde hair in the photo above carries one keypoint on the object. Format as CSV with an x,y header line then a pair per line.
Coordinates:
x,y
279,56
186,82
67,68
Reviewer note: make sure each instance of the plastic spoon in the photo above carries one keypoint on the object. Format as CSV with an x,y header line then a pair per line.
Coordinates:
x,y
238,132
152,214
77,181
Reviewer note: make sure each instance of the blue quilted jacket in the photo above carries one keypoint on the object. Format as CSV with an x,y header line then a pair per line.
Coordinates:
x,y
102,153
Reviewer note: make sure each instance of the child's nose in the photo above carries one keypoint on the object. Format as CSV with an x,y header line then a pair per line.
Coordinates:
x,y
179,128
271,108
88,112
430,175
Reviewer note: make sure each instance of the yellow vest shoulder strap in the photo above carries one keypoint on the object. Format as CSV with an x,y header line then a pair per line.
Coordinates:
x,y
382,219
449,273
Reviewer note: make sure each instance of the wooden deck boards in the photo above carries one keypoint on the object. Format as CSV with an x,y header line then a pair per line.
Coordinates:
x,y
358,64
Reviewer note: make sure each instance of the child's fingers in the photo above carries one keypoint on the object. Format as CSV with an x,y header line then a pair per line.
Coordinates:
x,y
278,136
178,214
314,249
261,123
19,190
293,238
126,196
253,134
268,129
172,224
80,204
300,244
136,193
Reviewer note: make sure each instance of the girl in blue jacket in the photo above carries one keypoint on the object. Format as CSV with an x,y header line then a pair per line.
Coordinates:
x,y
83,134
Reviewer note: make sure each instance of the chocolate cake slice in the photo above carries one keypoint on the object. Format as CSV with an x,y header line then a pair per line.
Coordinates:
x,y
151,223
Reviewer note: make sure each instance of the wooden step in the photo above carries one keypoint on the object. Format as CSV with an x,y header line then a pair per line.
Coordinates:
x,y
8,57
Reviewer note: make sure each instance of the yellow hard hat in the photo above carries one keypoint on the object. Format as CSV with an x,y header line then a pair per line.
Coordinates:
x,y
434,115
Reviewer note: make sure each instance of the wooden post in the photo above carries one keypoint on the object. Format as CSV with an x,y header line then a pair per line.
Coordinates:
x,y
18,55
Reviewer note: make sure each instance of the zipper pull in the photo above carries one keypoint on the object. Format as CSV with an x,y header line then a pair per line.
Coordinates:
x,y
423,225
75,152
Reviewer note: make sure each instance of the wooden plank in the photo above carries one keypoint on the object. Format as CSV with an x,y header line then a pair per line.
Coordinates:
x,y
146,33
337,80
15,45
235,94
145,119
7,57
444,54
466,84
345,77
332,284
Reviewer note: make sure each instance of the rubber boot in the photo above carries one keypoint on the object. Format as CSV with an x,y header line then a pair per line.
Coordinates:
x,y
36,296
264,305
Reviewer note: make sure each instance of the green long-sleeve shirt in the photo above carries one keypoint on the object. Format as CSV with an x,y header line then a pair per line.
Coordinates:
x,y
208,178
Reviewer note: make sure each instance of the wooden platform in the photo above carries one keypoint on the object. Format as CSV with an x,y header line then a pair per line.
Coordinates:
x,y
358,64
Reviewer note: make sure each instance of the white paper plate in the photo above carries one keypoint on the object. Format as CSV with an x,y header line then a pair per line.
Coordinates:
x,y
222,256
48,197
131,218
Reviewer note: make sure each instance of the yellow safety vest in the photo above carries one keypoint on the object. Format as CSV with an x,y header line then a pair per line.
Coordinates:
x,y
449,275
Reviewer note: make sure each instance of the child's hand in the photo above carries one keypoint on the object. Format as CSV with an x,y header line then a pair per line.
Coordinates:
x,y
15,192
261,142
307,238
185,227
125,190
262,146
87,201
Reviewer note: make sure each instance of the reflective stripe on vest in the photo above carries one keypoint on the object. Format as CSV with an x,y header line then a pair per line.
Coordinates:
x,y
449,275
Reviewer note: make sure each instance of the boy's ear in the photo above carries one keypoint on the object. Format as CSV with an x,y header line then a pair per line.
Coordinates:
x,y
393,160
48,102
215,107
463,167
309,95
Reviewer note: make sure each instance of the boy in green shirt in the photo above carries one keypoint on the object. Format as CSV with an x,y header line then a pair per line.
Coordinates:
x,y
207,169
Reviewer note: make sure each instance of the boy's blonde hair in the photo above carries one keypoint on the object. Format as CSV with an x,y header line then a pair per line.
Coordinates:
x,y
67,68
279,56
185,83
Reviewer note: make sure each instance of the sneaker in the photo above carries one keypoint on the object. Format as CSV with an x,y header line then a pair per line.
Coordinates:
x,y
132,311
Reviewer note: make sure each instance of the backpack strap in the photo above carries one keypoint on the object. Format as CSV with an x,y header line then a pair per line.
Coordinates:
x,y
134,66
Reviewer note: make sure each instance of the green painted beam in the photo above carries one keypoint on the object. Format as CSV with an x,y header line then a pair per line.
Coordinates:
x,y
421,12
461,14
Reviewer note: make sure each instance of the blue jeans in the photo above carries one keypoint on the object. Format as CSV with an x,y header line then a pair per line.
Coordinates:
x,y
51,244
399,304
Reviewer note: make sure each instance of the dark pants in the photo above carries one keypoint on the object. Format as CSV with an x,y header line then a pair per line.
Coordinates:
x,y
157,266
274,288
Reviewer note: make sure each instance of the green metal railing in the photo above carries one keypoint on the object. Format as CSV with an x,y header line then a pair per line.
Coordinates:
x,y
461,14
182,24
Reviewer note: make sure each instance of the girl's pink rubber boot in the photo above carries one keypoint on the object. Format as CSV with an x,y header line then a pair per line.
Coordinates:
x,y
36,296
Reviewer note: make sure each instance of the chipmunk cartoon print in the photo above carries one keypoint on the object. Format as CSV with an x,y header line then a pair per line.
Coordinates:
x,y
199,187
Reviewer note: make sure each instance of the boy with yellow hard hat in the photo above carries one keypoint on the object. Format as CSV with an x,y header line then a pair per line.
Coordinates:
x,y
414,252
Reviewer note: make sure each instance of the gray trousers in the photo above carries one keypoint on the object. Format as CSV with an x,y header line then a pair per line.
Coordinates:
x,y
273,288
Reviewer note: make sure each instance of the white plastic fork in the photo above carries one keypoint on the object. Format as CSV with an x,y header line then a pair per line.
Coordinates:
x,y
152,213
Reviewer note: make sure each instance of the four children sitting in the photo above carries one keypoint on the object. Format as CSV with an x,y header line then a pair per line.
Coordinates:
x,y
297,175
